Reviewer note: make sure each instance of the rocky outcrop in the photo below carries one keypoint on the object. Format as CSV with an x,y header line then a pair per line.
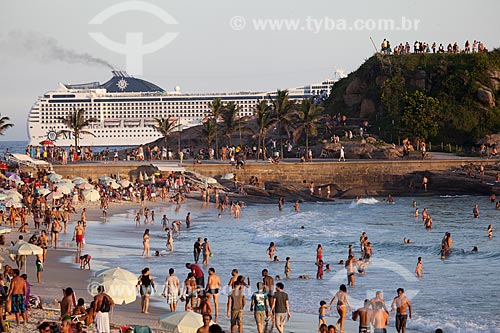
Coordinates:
x,y
367,108
353,93
486,96
494,79
420,79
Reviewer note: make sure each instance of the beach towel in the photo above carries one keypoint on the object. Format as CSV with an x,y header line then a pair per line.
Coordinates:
x,y
102,322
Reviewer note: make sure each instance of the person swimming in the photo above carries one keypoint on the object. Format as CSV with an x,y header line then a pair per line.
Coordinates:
x,y
407,240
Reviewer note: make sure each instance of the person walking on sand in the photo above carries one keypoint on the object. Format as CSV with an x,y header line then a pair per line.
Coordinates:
x,y
78,235
281,308
146,286
212,290
399,304
260,305
145,243
207,251
235,306
103,303
83,217
16,294
172,290
342,303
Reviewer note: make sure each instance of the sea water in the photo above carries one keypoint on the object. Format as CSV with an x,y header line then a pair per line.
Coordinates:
x,y
459,294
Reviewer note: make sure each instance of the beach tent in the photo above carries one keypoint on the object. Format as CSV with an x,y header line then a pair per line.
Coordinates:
x,y
121,291
119,273
91,195
181,322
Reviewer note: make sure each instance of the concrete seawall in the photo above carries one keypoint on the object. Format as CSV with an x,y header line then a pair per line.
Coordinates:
x,y
378,174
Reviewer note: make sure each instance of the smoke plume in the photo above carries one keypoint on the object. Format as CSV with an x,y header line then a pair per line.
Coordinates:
x,y
45,49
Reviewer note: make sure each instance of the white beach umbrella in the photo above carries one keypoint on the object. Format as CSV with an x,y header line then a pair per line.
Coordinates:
x,y
15,177
91,195
65,182
61,187
13,203
181,322
25,249
3,196
121,291
85,186
54,195
78,180
54,176
105,178
124,183
4,230
119,273
114,185
14,195
43,191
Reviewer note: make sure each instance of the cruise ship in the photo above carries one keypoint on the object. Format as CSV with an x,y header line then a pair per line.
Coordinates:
x,y
125,109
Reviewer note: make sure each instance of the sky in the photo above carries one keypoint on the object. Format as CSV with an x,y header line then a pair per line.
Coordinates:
x,y
213,46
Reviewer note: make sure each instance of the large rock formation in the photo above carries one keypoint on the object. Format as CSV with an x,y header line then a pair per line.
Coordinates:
x,y
485,96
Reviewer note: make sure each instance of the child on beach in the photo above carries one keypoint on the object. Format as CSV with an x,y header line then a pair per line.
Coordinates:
x,y
287,268
322,313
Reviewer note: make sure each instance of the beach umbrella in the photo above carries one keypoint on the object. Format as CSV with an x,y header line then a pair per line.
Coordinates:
x,y
85,186
66,182
114,185
64,189
210,180
124,183
46,143
181,322
105,178
3,196
91,195
25,249
12,203
78,180
54,176
4,230
43,191
118,273
8,173
121,291
14,195
54,195
15,177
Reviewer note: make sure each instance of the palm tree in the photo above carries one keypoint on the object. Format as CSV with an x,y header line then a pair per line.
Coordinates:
x,y
209,128
265,119
229,120
165,127
4,124
282,107
216,108
308,117
76,122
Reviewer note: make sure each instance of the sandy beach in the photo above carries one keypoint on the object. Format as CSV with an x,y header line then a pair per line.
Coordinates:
x,y
62,270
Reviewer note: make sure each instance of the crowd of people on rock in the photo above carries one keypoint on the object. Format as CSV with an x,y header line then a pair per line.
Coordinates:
x,y
420,47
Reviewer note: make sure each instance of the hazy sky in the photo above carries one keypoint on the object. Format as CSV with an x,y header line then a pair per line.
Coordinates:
x,y
220,45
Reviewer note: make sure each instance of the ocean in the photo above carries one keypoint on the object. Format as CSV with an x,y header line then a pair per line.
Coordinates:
x,y
459,294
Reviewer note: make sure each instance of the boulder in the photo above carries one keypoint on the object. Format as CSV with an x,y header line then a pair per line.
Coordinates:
x,y
353,93
371,140
486,97
494,79
367,108
282,190
253,190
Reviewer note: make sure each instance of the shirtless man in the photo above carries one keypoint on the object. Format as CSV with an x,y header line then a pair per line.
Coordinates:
x,y
17,292
101,316
78,235
379,297
400,303
207,318
268,286
84,217
365,316
380,319
212,290
349,266
234,278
